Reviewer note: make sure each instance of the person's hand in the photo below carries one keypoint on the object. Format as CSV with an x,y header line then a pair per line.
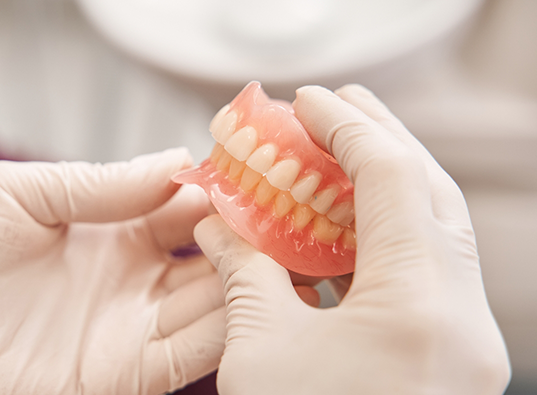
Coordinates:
x,y
415,319
91,299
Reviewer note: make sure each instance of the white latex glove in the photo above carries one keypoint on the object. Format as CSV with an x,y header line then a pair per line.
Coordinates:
x,y
91,300
415,319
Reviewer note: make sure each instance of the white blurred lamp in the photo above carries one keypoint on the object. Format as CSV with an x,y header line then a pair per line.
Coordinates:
x,y
277,42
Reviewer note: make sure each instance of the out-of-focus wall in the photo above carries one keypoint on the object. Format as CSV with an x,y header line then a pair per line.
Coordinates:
x,y
477,113
66,93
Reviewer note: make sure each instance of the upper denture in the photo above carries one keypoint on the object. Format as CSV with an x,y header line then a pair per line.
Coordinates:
x,y
248,162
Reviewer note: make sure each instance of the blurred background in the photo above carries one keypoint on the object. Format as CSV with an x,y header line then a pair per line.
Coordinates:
x,y
106,80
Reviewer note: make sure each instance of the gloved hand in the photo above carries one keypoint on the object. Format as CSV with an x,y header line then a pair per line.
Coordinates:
x,y
91,300
415,319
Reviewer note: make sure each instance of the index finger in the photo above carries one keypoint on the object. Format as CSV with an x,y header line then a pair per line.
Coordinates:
x,y
446,198
382,168
331,118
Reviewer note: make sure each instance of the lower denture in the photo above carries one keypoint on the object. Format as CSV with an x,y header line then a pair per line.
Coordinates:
x,y
276,189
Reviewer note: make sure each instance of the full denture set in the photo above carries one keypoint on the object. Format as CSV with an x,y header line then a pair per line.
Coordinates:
x,y
276,188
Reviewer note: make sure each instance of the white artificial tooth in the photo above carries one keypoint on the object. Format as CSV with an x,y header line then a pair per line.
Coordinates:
x,y
218,118
249,179
348,239
263,158
341,213
224,161
322,200
241,144
302,215
326,231
283,174
283,203
264,192
236,169
217,152
303,189
225,128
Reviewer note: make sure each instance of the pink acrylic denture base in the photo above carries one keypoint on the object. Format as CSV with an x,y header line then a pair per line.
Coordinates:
x,y
296,250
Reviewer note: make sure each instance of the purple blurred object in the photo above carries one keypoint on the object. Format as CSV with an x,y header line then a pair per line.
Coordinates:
x,y
188,250
205,386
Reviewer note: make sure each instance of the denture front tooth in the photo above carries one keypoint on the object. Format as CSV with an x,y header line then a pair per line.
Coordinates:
x,y
242,143
322,200
218,118
264,192
341,213
263,158
283,174
216,152
303,189
249,180
225,128
236,168
224,161
348,239
302,215
283,203
325,231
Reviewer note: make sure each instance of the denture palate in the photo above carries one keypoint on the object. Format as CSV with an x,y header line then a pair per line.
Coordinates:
x,y
254,168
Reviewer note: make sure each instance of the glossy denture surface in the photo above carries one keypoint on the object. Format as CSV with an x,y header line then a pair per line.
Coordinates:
x,y
276,188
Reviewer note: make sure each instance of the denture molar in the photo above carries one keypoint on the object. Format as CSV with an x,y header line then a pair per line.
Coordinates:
x,y
242,143
263,158
225,128
325,231
341,213
275,188
283,174
303,189
322,200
